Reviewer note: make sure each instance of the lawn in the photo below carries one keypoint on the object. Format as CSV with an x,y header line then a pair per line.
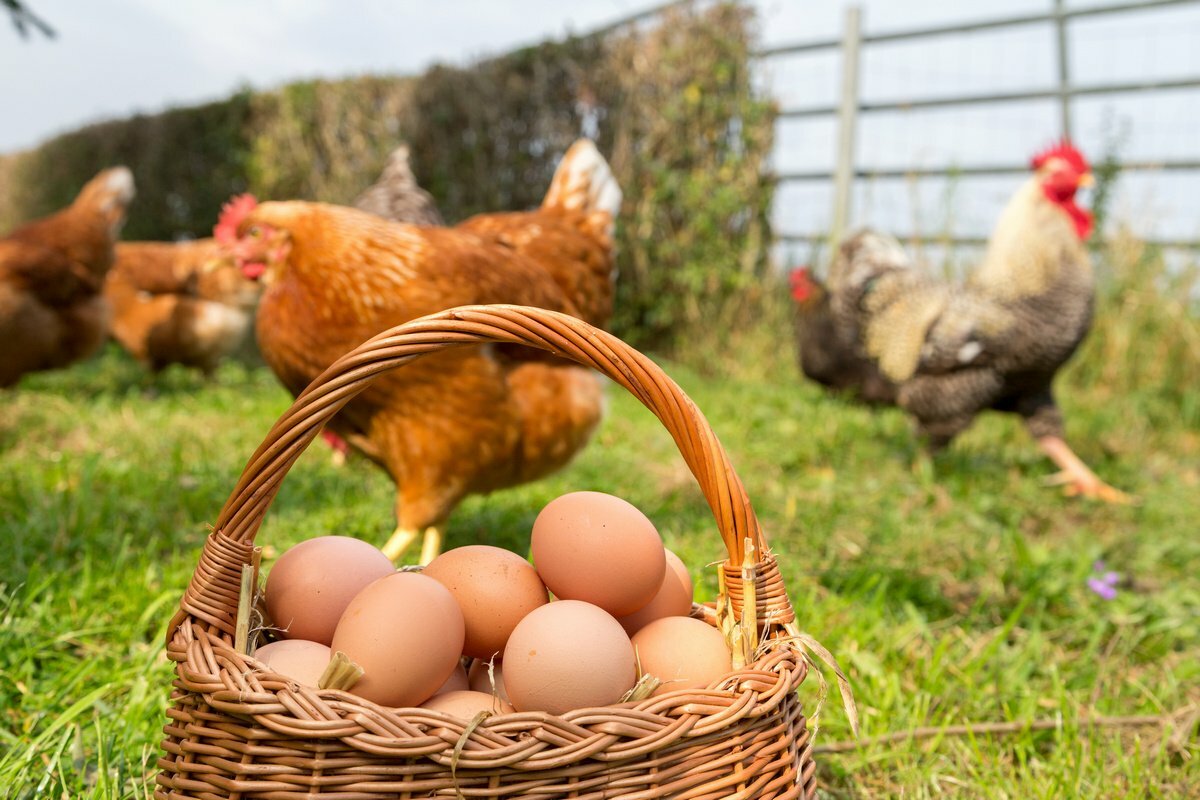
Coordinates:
x,y
955,592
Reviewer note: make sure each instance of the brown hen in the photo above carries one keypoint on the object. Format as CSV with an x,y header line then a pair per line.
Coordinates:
x,y
179,303
466,421
52,270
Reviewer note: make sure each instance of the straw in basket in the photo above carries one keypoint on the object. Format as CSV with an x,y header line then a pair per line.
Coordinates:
x,y
236,730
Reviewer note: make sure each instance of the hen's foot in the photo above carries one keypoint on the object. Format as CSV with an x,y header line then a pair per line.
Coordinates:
x,y
340,447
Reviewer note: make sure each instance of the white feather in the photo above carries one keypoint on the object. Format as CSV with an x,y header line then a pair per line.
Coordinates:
x,y
968,352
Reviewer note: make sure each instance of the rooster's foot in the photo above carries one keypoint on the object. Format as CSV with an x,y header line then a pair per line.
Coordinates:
x,y
1088,486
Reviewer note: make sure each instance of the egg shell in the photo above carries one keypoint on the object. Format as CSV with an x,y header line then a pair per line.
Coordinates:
x,y
465,705
457,682
406,632
600,549
301,660
674,597
311,584
495,589
567,655
683,653
480,680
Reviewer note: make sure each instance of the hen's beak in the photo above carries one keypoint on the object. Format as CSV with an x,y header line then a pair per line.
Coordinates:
x,y
1087,180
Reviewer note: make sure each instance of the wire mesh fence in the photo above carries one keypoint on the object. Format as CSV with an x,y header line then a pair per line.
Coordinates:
x,y
929,139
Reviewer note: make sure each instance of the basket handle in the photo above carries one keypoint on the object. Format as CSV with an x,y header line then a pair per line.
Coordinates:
x,y
560,334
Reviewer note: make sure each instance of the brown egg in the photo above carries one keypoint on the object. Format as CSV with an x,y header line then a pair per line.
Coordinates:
x,y
301,660
465,705
406,632
600,549
311,584
682,652
457,682
566,655
481,680
674,598
495,588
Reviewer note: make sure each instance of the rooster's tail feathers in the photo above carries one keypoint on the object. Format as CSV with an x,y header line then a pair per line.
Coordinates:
x,y
584,182
865,256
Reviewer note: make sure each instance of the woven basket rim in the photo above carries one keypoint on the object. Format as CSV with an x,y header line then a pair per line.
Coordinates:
x,y
283,704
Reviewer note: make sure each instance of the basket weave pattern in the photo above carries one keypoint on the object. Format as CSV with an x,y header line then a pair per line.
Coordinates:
x,y
236,730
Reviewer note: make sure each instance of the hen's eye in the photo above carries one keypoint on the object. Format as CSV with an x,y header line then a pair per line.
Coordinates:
x,y
255,231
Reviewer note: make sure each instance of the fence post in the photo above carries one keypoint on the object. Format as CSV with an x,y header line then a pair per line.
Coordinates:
x,y
843,176
1064,67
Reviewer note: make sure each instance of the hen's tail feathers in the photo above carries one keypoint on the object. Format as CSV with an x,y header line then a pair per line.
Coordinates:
x,y
584,182
109,192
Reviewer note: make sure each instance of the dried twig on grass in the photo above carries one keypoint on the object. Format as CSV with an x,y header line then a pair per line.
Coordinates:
x,y
1183,715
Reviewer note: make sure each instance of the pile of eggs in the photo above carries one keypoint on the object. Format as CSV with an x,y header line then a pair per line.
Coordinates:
x,y
477,630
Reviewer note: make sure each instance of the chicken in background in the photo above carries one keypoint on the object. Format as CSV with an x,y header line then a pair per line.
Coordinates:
x,y
179,303
827,353
397,196
465,421
996,342
52,311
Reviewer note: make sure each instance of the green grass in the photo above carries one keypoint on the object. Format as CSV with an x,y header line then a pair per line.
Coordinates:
x,y
951,595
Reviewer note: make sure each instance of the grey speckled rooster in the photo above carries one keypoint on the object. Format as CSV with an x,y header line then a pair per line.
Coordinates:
x,y
944,353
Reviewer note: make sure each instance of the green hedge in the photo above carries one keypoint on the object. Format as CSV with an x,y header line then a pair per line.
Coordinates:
x,y
186,162
672,105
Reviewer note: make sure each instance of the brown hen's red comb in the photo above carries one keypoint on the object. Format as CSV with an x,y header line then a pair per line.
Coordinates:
x,y
232,214
1064,150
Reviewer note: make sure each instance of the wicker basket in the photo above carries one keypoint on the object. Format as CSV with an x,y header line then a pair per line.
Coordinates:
x,y
236,730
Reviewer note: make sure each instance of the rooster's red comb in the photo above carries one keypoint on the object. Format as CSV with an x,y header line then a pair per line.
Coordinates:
x,y
232,214
1063,149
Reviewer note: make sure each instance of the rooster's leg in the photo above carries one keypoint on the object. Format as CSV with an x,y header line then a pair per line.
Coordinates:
x,y
1076,476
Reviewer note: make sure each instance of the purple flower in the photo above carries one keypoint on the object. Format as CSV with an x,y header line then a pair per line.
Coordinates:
x,y
1104,582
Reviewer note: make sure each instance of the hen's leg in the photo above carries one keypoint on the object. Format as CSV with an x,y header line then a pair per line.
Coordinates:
x,y
423,504
432,546
403,538
340,447
399,542
1075,476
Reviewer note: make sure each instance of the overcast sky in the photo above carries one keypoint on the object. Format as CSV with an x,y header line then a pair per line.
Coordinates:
x,y
113,57
116,57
